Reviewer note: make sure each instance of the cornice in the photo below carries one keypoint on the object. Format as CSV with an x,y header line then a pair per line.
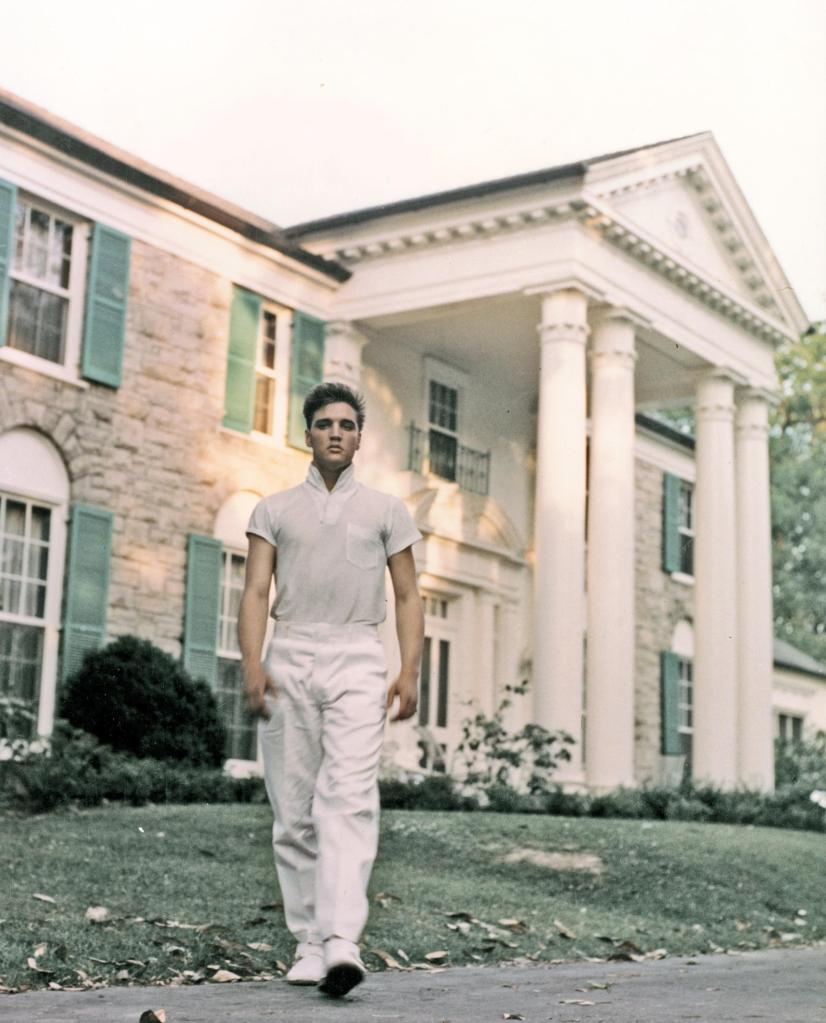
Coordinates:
x,y
757,319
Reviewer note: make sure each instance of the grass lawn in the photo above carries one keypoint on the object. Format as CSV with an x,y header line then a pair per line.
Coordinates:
x,y
190,890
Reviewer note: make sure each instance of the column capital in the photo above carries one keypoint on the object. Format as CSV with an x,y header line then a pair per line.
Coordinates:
x,y
752,416
564,316
343,343
346,330
715,394
614,336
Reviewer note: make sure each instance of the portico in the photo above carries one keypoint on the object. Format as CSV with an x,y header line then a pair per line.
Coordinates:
x,y
556,310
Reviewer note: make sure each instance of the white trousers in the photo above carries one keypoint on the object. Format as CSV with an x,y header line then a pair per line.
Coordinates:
x,y
321,750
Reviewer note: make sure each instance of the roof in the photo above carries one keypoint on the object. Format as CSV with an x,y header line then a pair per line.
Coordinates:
x,y
573,171
662,429
53,131
788,656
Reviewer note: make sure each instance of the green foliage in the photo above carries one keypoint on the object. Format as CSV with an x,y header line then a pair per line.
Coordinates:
x,y
489,755
798,456
75,768
138,699
801,763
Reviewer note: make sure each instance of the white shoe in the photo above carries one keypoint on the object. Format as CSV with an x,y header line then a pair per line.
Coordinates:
x,y
343,968
308,967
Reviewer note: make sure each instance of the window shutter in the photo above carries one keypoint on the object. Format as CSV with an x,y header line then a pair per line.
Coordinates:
x,y
203,598
306,371
671,523
87,585
670,703
239,394
107,292
8,202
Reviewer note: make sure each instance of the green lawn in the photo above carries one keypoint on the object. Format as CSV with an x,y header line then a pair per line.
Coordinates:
x,y
679,887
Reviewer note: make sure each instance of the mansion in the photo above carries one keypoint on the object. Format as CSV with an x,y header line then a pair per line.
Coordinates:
x,y
516,341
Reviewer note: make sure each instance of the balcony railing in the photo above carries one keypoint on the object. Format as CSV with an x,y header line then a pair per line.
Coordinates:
x,y
441,454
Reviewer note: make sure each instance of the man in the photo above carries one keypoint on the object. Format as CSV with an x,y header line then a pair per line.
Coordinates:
x,y
322,689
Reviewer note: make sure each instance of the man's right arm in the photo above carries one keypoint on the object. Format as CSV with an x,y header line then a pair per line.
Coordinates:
x,y
252,622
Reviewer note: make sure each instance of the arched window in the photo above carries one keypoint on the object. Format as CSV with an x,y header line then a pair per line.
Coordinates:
x,y
34,497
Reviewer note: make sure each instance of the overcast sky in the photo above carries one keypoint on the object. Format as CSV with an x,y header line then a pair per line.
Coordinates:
x,y
300,109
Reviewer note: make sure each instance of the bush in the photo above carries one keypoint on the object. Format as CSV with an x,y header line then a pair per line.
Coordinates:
x,y
801,762
76,768
135,698
433,792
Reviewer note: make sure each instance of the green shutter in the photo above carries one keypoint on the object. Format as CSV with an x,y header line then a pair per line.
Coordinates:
x,y
107,292
8,202
671,523
203,599
306,371
87,585
670,703
239,394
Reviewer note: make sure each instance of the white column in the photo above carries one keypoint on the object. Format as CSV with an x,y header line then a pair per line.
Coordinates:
x,y
342,353
484,646
559,569
609,719
754,593
714,748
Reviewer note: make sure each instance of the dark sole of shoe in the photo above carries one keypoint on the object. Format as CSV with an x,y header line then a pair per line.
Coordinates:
x,y
340,979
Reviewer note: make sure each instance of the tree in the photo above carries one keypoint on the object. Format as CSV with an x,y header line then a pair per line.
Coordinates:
x,y
798,458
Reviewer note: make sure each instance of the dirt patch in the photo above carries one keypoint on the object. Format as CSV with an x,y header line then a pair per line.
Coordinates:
x,y
561,861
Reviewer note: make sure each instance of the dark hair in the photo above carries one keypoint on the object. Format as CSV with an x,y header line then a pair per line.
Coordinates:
x,y
327,394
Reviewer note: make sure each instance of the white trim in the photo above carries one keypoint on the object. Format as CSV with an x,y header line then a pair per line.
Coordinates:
x,y
664,455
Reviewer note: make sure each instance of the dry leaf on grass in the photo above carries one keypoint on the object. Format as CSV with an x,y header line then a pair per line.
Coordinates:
x,y
272,905
40,950
437,957
31,962
387,959
385,899
576,1001
259,946
97,914
44,898
512,924
566,932
461,914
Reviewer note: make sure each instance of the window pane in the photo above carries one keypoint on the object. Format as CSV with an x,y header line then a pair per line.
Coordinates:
x,y
12,563
41,521
444,670
424,687
268,340
60,252
21,662
36,253
443,455
262,417
239,723
37,321
15,521
20,214
34,604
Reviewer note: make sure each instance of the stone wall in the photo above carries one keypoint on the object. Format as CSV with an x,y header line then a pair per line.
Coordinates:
x,y
661,602
154,451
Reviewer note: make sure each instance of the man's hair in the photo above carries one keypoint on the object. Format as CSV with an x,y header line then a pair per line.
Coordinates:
x,y
328,394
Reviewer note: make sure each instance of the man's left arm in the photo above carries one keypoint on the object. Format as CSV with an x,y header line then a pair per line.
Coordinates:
x,y
410,632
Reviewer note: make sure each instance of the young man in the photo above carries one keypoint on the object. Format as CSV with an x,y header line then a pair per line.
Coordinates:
x,y
322,689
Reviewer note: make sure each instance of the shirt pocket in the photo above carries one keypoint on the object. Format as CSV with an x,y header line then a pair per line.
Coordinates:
x,y
362,547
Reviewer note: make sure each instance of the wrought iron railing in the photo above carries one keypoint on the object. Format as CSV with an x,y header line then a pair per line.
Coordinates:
x,y
442,454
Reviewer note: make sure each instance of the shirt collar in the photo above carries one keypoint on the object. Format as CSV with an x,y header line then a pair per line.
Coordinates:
x,y
345,483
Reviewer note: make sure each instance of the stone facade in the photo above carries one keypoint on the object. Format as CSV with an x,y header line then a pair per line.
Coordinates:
x,y
661,602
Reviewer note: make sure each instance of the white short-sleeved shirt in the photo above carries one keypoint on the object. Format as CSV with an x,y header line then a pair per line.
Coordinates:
x,y
332,548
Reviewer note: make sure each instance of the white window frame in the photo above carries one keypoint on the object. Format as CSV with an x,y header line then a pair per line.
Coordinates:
x,y
438,372
69,368
232,653
785,723
440,626
277,434
686,529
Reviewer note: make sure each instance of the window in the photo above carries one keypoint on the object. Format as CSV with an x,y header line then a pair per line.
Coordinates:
x,y
434,687
265,372
46,281
686,527
790,727
240,725
25,528
685,703
443,416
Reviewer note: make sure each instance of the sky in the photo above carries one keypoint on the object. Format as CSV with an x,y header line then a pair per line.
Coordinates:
x,y
300,109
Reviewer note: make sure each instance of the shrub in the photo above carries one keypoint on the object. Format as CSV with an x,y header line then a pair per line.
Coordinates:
x,y
801,762
134,697
76,768
433,792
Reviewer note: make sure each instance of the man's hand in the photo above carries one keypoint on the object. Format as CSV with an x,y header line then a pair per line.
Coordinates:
x,y
257,683
407,690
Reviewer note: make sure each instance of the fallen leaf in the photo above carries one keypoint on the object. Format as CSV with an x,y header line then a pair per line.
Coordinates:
x,y
272,905
388,960
512,924
462,926
122,975
40,950
462,915
281,967
596,985
742,925
31,962
401,952
54,986
576,1001
385,899
224,977
97,914
512,1015
566,932
259,946
44,898
153,1016
437,957
657,953
174,950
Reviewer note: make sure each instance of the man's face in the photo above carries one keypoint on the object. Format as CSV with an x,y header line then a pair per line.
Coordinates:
x,y
334,436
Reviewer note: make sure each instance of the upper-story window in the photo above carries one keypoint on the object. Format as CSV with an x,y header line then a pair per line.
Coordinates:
x,y
443,415
46,283
686,527
266,371
678,526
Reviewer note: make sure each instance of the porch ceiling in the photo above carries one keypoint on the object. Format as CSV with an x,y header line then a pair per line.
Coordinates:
x,y
495,341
